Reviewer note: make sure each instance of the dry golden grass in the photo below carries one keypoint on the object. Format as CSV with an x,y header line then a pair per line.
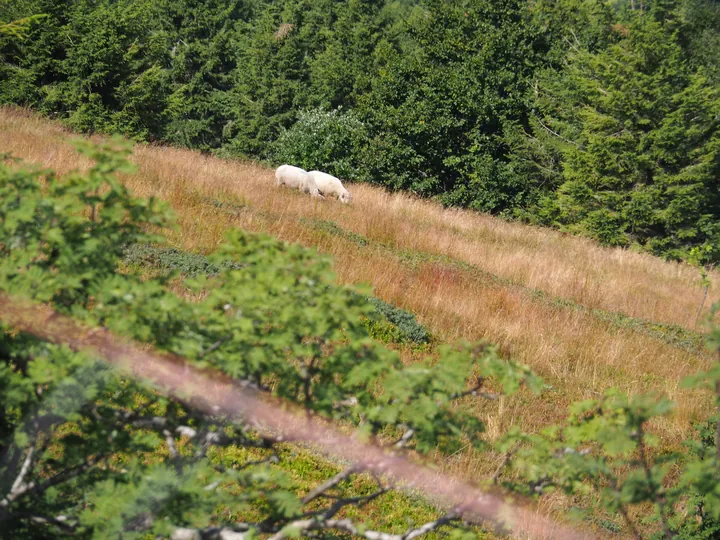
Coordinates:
x,y
579,354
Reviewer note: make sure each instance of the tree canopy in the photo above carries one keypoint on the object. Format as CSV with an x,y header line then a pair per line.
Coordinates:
x,y
593,116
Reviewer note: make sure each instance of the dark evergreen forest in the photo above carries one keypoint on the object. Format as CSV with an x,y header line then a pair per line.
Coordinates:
x,y
597,117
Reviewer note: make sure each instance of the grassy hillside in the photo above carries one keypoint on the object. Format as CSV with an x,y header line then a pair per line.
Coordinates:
x,y
586,318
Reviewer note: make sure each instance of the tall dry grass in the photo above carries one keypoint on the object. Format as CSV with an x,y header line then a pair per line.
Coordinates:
x,y
576,352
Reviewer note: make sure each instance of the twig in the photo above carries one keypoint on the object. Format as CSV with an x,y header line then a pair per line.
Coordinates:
x,y
349,527
402,441
430,526
212,347
506,459
329,484
156,422
58,521
702,303
355,501
59,478
170,441
18,483
475,392
623,510
237,532
557,134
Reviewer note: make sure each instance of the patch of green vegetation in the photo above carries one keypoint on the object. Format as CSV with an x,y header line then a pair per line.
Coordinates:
x,y
671,334
402,320
395,513
172,259
394,325
138,456
674,335
333,229
233,208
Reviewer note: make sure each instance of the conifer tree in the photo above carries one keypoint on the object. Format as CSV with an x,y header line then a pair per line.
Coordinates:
x,y
637,129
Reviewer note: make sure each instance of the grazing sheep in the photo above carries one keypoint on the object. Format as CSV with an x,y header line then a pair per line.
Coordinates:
x,y
295,177
327,184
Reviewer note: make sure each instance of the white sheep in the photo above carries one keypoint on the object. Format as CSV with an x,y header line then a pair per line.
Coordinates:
x,y
327,184
297,178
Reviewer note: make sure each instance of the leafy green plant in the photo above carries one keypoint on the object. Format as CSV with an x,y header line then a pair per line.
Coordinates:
x,y
389,323
87,451
172,259
607,450
325,140
403,320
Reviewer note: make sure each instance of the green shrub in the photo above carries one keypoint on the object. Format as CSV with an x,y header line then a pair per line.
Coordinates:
x,y
323,140
172,259
403,320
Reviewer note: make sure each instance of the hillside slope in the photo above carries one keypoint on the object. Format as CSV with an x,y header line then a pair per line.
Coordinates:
x,y
584,317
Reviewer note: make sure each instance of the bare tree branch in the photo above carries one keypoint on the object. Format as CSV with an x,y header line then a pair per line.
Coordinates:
x,y
404,439
20,480
475,391
154,422
348,526
430,526
623,511
351,501
62,522
58,521
213,347
170,441
658,492
506,459
557,134
236,532
329,484
59,478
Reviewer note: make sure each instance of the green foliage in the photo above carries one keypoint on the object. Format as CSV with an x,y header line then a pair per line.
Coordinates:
x,y
389,323
403,320
327,140
606,450
115,458
436,115
702,36
596,117
634,134
172,259
17,30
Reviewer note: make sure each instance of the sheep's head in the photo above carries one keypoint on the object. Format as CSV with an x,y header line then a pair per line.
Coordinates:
x,y
345,197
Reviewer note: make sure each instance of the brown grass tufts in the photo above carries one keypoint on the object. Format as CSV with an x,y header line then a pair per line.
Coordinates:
x,y
464,274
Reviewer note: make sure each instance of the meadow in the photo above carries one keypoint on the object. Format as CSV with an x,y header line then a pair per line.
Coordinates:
x,y
584,317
